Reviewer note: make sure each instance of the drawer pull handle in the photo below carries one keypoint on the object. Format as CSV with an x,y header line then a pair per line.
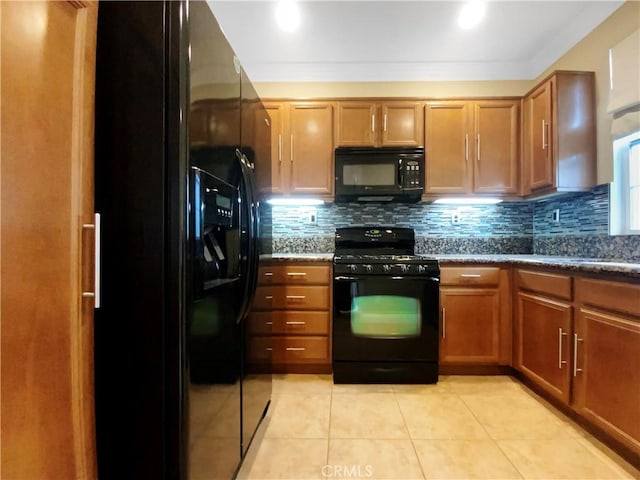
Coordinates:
x,y
296,349
295,323
470,275
296,297
268,274
268,349
268,323
296,274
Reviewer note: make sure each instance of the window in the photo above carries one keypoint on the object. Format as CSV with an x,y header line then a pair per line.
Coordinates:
x,y
625,189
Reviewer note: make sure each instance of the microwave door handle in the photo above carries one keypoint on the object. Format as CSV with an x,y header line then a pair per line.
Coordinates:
x,y
400,174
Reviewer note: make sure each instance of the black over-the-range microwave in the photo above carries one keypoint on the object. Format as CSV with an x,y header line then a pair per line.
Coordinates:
x,y
383,174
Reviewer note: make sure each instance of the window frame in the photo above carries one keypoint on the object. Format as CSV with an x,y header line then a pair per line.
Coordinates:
x,y
620,198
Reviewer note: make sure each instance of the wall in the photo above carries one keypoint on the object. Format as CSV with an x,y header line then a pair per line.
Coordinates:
x,y
502,228
592,54
583,228
394,89
506,228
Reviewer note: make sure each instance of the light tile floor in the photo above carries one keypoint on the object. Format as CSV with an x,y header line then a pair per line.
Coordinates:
x,y
463,427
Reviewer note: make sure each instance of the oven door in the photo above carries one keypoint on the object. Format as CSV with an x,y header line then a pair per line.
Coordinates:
x,y
385,318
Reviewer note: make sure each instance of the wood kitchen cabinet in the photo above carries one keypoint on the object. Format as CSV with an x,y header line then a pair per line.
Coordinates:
x,y
48,52
606,356
475,316
291,317
472,147
386,123
559,134
543,326
301,148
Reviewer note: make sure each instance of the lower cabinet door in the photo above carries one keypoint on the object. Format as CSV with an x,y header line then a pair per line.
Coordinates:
x,y
607,373
470,330
544,342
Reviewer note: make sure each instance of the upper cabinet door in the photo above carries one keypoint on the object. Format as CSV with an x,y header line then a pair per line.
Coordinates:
x,y
540,159
495,141
279,170
447,147
402,124
393,123
311,148
263,146
356,124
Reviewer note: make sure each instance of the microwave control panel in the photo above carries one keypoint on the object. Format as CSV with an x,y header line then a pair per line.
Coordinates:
x,y
412,174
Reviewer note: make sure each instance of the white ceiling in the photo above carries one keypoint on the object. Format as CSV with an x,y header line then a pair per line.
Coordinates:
x,y
405,40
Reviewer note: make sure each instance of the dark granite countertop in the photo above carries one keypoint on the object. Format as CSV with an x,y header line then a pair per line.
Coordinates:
x,y
573,264
303,257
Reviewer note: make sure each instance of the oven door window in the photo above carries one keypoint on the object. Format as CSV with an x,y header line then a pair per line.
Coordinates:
x,y
385,316
381,317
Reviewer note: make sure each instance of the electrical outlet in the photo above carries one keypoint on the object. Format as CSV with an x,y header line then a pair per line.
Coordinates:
x,y
555,215
313,218
455,217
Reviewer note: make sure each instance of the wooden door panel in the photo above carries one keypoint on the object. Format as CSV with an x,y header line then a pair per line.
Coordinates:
x,y
607,375
446,147
471,321
541,148
311,143
402,124
279,170
544,342
262,144
48,64
496,147
356,124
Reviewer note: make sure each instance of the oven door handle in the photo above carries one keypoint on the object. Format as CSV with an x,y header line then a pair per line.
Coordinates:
x,y
343,278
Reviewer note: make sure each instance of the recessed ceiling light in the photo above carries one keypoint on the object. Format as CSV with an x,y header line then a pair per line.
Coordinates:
x,y
471,14
288,15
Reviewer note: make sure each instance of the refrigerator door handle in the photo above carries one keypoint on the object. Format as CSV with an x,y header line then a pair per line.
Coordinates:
x,y
252,266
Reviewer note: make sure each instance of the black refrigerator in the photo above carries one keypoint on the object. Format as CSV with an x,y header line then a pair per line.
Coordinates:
x,y
182,141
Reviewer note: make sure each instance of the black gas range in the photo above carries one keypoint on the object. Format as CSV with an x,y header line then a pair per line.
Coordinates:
x,y
386,304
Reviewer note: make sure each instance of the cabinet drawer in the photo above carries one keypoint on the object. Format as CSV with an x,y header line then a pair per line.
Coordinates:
x,y
469,276
291,297
295,275
291,349
288,323
619,297
549,283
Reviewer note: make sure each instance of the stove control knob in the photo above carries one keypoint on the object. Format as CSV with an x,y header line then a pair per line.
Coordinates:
x,y
386,268
368,268
404,267
422,269
353,268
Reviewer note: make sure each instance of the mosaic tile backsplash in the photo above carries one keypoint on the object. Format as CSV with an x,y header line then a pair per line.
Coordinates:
x,y
506,228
